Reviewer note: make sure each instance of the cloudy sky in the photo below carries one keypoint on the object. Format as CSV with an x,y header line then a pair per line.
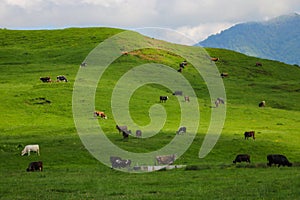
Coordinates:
x,y
195,18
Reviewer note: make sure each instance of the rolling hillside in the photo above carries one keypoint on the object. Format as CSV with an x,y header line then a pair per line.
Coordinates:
x,y
36,112
276,39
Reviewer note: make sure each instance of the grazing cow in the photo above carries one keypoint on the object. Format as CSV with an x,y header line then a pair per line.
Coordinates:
x,y
183,64
46,79
278,159
163,98
32,147
219,101
187,98
35,166
248,134
262,104
83,64
214,59
117,162
258,64
61,78
178,93
121,128
126,133
138,133
101,114
181,130
242,158
165,160
125,53
180,69
223,75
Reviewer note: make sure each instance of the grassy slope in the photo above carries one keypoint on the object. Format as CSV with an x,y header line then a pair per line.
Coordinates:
x,y
71,172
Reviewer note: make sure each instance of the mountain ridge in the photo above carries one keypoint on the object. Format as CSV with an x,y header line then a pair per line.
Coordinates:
x,y
275,39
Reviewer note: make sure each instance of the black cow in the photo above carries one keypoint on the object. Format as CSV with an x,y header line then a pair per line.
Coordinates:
x,y
163,98
117,162
61,78
83,64
242,158
35,166
278,159
262,104
183,64
45,79
248,134
178,93
126,133
181,130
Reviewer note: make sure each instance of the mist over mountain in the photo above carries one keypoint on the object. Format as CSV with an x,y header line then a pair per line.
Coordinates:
x,y
275,39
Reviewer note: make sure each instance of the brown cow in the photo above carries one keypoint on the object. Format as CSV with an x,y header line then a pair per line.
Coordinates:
x,y
248,134
101,114
214,59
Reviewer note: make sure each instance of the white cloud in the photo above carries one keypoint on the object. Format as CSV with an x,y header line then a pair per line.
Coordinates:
x,y
195,18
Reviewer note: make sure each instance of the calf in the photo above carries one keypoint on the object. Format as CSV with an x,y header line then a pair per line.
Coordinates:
x,y
242,158
186,98
278,159
35,166
248,134
138,133
32,147
219,101
163,98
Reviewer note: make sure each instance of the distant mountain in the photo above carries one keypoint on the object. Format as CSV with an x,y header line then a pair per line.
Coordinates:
x,y
275,39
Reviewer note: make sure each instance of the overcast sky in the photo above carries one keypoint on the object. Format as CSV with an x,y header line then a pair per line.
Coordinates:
x,y
195,18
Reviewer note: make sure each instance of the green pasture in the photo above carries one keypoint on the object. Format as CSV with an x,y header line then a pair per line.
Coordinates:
x,y
36,112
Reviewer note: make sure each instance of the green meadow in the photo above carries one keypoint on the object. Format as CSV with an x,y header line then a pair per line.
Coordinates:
x,y
33,112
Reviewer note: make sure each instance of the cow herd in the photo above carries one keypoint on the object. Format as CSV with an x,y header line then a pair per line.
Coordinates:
x,y
276,159
60,78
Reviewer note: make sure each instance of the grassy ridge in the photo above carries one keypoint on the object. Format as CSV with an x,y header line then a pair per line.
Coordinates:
x,y
72,173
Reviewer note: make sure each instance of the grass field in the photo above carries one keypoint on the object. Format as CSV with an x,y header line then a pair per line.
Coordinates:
x,y
36,112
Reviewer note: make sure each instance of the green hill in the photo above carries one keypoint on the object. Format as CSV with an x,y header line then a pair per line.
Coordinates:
x,y
36,112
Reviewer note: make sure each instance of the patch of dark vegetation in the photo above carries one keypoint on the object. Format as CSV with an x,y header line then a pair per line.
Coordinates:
x,y
63,190
196,167
117,194
39,101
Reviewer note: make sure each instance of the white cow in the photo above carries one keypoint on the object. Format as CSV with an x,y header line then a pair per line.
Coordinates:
x,y
31,147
